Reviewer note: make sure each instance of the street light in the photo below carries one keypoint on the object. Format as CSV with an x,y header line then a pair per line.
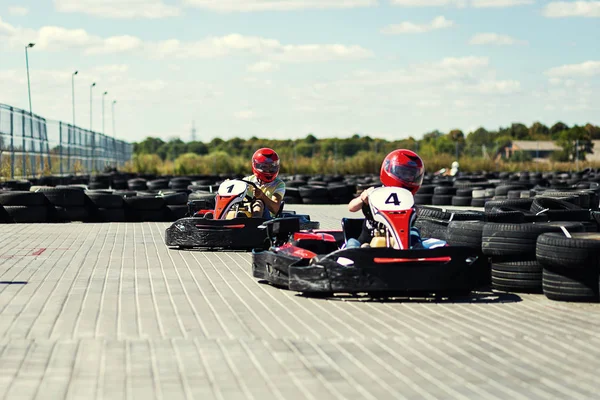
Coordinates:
x,y
114,135
113,118
73,93
30,109
91,87
27,64
103,94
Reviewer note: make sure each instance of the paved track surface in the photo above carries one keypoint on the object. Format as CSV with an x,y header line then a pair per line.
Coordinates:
x,y
108,311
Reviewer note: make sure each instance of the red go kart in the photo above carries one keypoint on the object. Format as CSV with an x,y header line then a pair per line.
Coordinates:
x,y
315,263
229,225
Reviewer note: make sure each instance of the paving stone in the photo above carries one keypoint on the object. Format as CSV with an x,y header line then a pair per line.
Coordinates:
x,y
107,311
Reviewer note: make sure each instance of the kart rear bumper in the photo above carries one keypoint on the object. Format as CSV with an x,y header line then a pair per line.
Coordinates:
x,y
237,233
373,270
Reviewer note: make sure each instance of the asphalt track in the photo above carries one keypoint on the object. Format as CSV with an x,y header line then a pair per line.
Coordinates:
x,y
108,311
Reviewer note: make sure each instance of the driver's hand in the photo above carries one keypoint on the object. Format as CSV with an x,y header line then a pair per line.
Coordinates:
x,y
259,194
365,193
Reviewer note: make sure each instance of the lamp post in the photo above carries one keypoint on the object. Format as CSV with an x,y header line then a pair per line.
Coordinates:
x,y
30,109
113,119
114,134
91,87
103,94
27,64
73,93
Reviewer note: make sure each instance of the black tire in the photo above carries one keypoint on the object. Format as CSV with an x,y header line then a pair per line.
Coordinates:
x,y
517,276
518,204
175,199
423,199
22,198
582,250
444,191
478,202
73,213
512,217
465,233
145,202
540,204
461,201
506,239
105,200
27,215
570,284
111,215
175,212
441,199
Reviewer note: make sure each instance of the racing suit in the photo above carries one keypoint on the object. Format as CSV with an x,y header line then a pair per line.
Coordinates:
x,y
416,242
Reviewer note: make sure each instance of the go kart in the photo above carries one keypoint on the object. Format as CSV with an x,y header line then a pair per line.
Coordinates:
x,y
315,263
230,224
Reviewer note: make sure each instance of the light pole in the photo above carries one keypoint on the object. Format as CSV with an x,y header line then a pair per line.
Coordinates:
x,y
27,64
73,93
30,109
114,134
113,119
91,87
103,94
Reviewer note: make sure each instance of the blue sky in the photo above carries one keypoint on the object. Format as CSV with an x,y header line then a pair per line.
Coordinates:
x,y
286,68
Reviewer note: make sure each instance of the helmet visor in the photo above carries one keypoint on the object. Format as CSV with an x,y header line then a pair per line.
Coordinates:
x,y
267,167
406,174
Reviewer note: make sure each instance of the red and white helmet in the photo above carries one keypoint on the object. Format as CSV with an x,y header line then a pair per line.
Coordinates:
x,y
402,168
265,164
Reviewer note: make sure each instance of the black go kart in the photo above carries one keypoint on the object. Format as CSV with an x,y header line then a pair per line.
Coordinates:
x,y
230,224
315,264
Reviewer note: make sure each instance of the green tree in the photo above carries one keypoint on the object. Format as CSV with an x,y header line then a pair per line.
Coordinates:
x,y
556,129
197,148
593,130
575,142
310,138
456,135
539,131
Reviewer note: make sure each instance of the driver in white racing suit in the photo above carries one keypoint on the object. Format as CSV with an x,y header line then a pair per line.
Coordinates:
x,y
400,168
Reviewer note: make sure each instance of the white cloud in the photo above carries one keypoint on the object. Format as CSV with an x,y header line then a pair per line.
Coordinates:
x,y
439,22
585,69
560,9
461,3
122,9
18,11
245,114
429,3
54,38
500,3
495,39
263,66
275,5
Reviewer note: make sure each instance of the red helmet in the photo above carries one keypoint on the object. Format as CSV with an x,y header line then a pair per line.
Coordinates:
x,y
402,168
265,164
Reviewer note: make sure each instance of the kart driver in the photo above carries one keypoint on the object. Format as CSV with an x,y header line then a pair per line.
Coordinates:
x,y
400,168
271,189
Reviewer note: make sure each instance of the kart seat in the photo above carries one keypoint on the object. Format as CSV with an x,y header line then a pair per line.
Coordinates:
x,y
352,227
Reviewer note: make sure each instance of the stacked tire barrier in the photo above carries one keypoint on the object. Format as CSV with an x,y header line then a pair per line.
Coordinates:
x,y
537,239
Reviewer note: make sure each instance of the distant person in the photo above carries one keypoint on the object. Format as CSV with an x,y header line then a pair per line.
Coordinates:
x,y
401,168
271,188
453,171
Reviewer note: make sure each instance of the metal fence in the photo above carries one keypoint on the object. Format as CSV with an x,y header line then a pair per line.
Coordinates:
x,y
31,146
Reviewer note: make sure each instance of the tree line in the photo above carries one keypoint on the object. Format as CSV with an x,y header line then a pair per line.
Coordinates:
x,y
356,153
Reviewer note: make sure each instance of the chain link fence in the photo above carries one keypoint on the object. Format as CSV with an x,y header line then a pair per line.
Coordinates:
x,y
31,146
